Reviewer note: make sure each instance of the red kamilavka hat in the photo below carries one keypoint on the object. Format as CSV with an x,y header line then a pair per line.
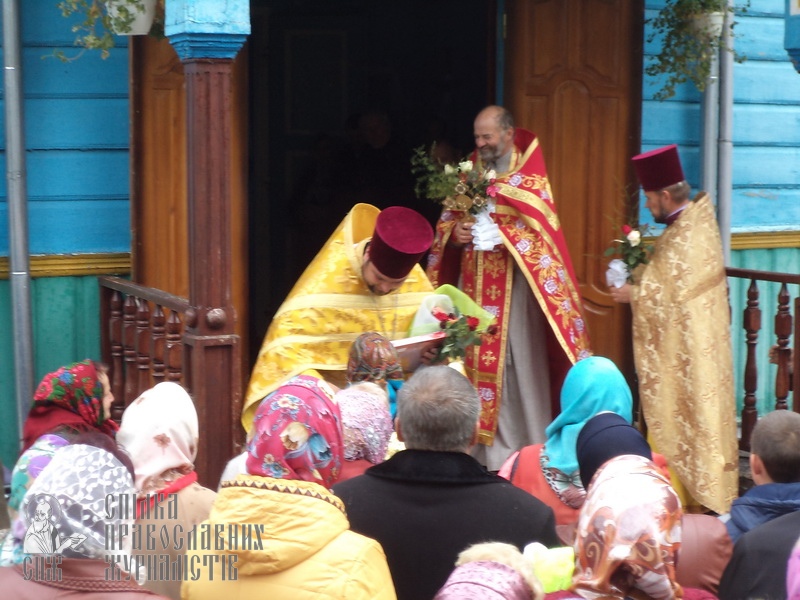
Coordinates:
x,y
658,168
402,236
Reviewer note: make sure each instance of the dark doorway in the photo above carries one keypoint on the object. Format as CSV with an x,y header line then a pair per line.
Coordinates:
x,y
326,78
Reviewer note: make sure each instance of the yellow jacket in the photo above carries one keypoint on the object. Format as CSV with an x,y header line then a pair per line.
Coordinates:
x,y
328,308
294,542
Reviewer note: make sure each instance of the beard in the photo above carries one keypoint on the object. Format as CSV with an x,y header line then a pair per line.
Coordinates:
x,y
489,153
39,525
374,290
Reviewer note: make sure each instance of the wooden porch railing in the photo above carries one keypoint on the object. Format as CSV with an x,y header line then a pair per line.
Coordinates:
x,y
149,336
143,343
141,338
787,332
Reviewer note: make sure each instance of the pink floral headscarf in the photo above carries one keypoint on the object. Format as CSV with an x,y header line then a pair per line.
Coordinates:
x,y
297,433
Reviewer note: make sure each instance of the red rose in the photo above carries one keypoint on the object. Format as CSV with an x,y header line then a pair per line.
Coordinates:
x,y
439,314
473,322
626,229
492,329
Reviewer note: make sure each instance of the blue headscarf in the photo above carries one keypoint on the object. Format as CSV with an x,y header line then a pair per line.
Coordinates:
x,y
593,385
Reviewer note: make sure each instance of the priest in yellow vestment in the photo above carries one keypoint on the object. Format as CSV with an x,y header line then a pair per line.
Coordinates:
x,y
681,336
365,278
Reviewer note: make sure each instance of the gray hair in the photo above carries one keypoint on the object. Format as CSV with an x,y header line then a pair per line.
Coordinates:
x,y
438,408
504,119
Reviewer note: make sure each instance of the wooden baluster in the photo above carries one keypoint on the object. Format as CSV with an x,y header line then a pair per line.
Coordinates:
x,y
129,348
157,342
143,346
115,343
783,329
752,325
174,348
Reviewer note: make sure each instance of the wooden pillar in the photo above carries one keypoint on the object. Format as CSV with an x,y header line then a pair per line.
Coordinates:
x,y
212,349
207,40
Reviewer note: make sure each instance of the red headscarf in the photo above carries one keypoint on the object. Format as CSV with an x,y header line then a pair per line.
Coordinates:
x,y
72,397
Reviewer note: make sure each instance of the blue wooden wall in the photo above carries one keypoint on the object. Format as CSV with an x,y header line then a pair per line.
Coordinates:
x,y
766,126
76,132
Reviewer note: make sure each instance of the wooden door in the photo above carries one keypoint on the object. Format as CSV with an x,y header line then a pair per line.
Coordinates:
x,y
574,78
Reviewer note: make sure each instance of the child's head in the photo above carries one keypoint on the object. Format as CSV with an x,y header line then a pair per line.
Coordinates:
x,y
492,570
775,448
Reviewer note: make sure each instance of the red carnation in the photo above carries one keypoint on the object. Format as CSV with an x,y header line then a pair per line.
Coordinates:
x,y
626,229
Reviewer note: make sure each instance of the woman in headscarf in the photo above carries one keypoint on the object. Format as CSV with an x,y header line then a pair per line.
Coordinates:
x,y
629,528
70,510
549,471
28,467
71,400
373,358
159,431
300,541
366,427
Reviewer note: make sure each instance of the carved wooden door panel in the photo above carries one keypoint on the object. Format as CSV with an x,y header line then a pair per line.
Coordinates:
x,y
158,178
574,78
159,216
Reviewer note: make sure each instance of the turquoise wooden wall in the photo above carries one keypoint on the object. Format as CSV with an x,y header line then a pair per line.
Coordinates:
x,y
77,142
766,125
66,328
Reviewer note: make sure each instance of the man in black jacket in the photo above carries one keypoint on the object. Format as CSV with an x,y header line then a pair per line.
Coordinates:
x,y
431,501
757,568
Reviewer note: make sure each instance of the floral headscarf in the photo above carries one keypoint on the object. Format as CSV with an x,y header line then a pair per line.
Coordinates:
x,y
297,433
159,431
76,389
366,422
373,358
29,466
629,533
82,485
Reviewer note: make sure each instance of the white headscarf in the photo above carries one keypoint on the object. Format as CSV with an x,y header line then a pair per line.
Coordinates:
x,y
159,431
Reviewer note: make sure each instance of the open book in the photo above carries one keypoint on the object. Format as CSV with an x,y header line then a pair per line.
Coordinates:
x,y
411,349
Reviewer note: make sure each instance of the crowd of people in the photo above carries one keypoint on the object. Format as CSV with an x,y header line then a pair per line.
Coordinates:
x,y
360,479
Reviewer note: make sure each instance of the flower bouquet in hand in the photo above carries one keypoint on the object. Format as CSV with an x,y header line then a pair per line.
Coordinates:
x,y
463,321
455,186
633,252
